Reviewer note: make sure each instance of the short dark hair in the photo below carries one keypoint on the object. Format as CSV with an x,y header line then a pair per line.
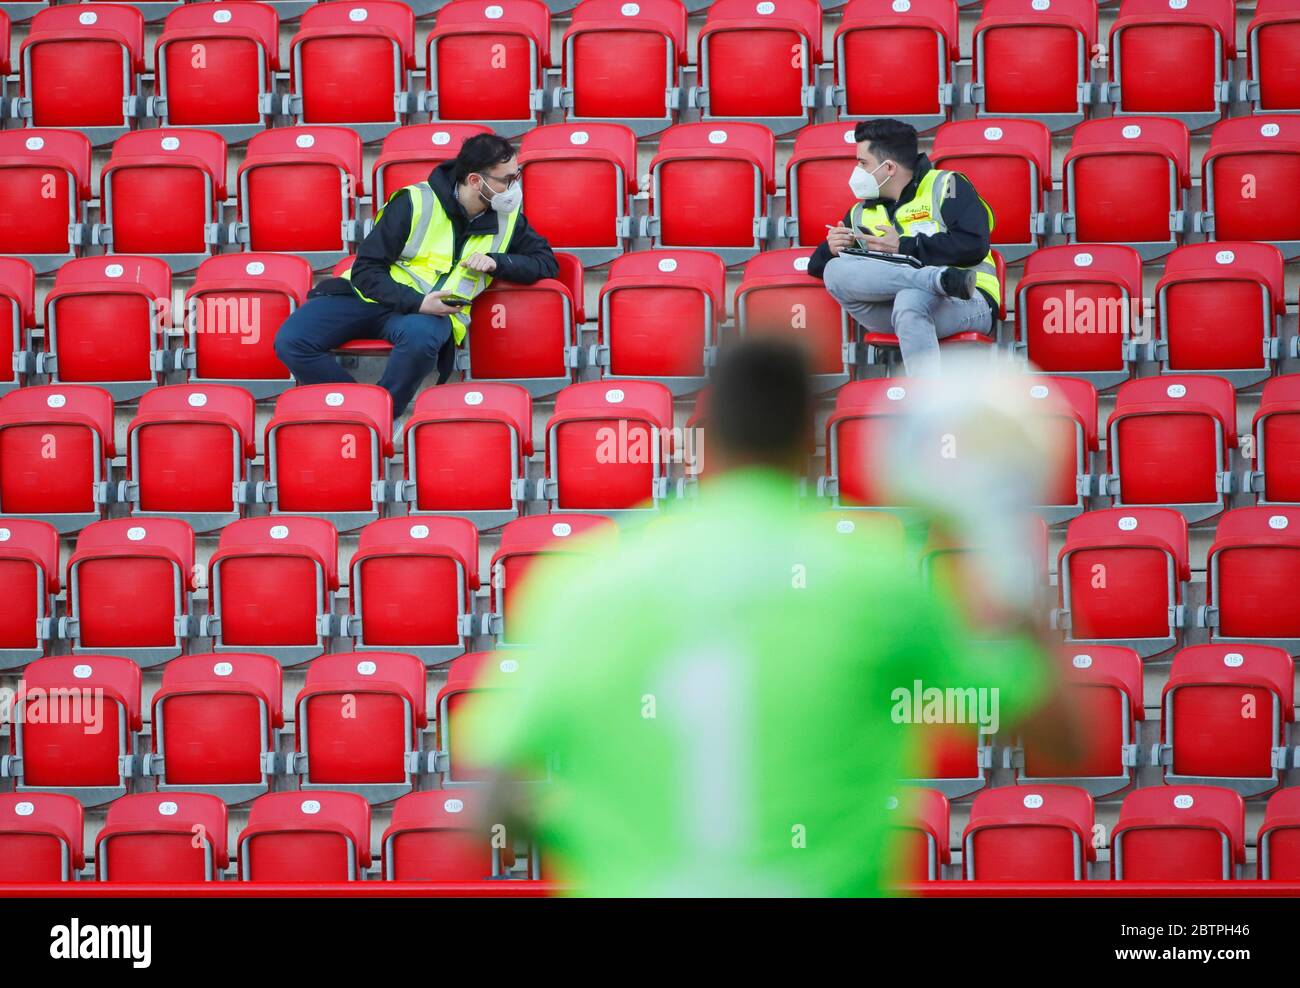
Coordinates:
x,y
481,152
760,405
889,139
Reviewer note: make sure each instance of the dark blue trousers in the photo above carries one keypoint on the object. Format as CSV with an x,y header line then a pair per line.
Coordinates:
x,y
326,322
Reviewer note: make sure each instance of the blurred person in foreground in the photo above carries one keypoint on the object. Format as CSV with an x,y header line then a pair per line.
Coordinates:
x,y
714,694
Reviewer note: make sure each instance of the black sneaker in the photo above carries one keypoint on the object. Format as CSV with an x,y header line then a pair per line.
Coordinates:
x,y
958,282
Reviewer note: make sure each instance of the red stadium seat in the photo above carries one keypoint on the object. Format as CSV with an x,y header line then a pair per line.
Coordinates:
x,y
623,61
922,834
466,452
458,762
29,571
44,190
327,449
710,184
487,63
577,180
816,182
1172,60
188,453
359,718
863,410
1078,308
1022,54
163,838
80,67
306,837
413,582
1254,558
129,584
522,541
759,62
409,154
1073,410
1103,684
956,759
1169,442
6,65
1010,164
778,295
530,332
161,193
298,190
233,311
214,67
1218,306
1040,833
660,313
17,320
41,836
436,837
76,734
1226,710
1276,845
271,587
351,64
215,721
895,58
608,446
1179,834
1276,433
1273,57
1114,180
1246,178
55,445
104,324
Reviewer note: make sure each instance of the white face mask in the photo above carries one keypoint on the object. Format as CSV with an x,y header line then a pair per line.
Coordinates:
x,y
507,201
863,182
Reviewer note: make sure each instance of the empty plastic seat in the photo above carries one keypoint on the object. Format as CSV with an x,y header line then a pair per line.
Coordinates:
x,y
1246,178
5,66
466,451
1273,57
815,175
577,180
1120,576
777,295
214,723
233,310
1179,834
487,62
1034,59
29,571
55,445
710,184
623,62
1040,833
862,413
1070,405
214,64
894,58
1255,556
327,449
76,733
163,838
437,837
352,64
17,320
161,193
955,758
1276,433
1169,442
41,837
298,190
1124,180
188,453
522,542
607,447
458,761
409,154
660,315
759,62
270,587
413,582
44,188
80,67
1010,164
921,834
1278,841
306,837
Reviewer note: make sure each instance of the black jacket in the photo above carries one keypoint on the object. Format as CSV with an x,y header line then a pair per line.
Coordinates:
x,y
526,259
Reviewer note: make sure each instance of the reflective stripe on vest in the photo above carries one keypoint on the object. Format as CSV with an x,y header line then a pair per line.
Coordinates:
x,y
426,256
926,207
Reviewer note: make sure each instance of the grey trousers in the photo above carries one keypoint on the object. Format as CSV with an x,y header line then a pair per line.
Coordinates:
x,y
896,298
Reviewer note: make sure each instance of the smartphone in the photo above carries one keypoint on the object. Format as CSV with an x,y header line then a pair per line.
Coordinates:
x,y
455,301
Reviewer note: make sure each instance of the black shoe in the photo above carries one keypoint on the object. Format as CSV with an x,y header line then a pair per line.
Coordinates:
x,y
958,282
